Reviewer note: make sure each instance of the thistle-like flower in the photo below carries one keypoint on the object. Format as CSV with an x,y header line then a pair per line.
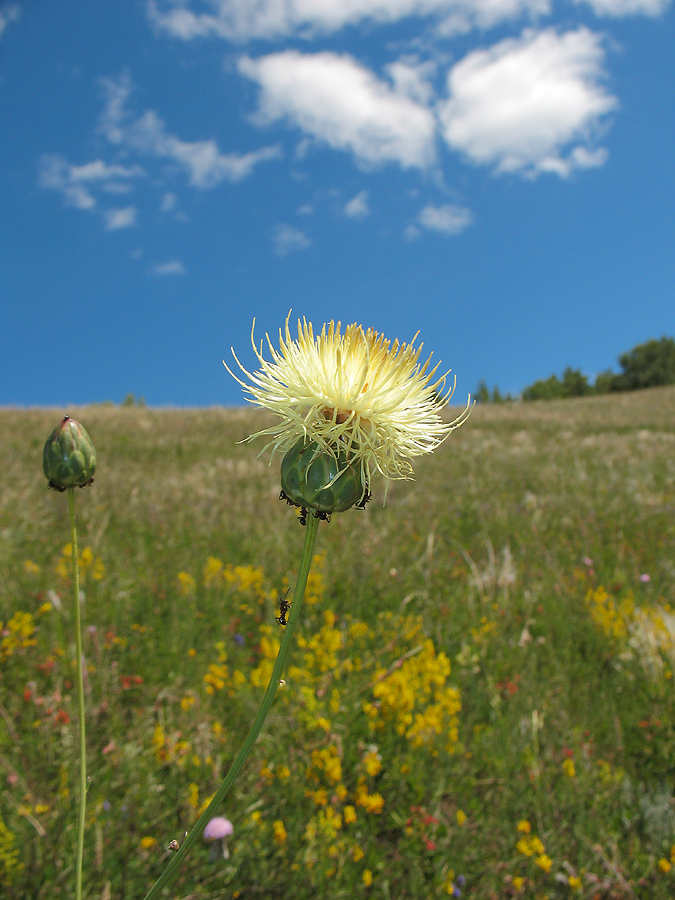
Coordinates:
x,y
368,403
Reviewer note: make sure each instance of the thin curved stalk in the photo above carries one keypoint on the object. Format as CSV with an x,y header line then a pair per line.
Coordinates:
x,y
80,697
171,870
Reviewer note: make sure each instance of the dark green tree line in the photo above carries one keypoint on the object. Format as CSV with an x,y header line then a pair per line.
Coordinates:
x,y
651,364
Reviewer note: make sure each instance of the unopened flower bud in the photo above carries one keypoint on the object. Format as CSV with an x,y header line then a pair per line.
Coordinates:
x,y
69,458
320,480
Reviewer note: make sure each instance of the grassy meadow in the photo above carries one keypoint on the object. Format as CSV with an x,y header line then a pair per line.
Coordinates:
x,y
479,700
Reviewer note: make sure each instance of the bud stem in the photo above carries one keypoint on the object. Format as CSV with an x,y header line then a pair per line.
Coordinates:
x,y
171,870
80,697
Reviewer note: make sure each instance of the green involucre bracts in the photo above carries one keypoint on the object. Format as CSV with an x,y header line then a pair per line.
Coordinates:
x,y
69,458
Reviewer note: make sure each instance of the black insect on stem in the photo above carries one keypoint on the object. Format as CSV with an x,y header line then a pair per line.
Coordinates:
x,y
302,518
284,606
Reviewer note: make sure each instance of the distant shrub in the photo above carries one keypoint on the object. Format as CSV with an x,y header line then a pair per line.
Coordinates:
x,y
484,395
603,382
651,364
573,384
130,400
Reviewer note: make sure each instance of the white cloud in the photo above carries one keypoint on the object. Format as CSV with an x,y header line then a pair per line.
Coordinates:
x,y
287,238
172,267
410,78
168,202
519,104
53,173
9,14
100,171
117,187
120,218
357,207
245,19
339,102
448,219
116,92
205,165
77,183
583,158
627,7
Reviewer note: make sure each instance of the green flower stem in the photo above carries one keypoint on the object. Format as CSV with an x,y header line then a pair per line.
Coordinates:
x,y
171,870
80,697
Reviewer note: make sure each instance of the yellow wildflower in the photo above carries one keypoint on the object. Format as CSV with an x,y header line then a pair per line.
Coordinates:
x,y
528,846
327,759
544,862
367,877
319,796
215,678
523,846
158,740
212,571
322,723
370,802
18,634
193,795
418,699
372,763
186,584
86,561
449,883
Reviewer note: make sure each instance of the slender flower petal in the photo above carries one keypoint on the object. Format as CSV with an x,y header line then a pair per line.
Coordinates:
x,y
354,394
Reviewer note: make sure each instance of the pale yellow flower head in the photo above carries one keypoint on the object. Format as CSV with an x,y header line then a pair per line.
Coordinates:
x,y
353,392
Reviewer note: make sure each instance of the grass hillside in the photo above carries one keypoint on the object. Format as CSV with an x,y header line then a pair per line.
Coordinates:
x,y
480,699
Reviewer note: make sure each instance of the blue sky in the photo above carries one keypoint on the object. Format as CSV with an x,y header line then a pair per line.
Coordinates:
x,y
498,175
